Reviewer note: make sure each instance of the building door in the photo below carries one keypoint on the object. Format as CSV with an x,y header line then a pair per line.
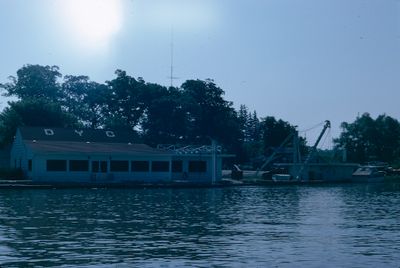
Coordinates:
x,y
99,166
99,171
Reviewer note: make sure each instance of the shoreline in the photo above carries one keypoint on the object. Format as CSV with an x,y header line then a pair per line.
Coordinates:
x,y
28,184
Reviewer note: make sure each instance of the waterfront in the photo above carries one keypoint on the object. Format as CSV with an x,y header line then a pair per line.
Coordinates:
x,y
348,225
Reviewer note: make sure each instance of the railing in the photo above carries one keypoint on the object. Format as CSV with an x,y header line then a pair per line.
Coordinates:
x,y
190,149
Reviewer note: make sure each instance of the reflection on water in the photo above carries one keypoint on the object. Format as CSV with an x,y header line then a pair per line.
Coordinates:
x,y
342,225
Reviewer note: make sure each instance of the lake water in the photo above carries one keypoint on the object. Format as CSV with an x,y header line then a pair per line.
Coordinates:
x,y
345,225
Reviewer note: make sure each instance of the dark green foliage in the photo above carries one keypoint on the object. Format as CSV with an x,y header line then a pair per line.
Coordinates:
x,y
85,100
367,139
34,81
210,116
125,101
192,114
249,124
195,113
274,132
250,135
243,117
254,127
39,103
166,120
32,112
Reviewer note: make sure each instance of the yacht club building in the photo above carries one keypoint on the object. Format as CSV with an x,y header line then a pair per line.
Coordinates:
x,y
56,155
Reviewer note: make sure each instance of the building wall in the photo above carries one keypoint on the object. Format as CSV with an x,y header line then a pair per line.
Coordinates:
x,y
20,154
40,173
325,172
197,176
5,158
39,170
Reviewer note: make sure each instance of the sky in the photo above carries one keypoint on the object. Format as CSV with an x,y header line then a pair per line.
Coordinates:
x,y
304,61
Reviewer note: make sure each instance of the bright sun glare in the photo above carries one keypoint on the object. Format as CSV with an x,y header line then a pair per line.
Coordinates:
x,y
92,22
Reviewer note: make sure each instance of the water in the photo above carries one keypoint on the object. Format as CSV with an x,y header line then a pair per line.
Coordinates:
x,y
284,226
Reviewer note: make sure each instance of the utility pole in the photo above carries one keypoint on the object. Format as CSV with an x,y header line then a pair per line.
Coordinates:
x,y
214,161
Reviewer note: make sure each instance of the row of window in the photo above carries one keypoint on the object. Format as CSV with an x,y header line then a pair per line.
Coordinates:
x,y
123,166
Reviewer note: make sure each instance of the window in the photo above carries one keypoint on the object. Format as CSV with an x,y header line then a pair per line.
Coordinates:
x,y
197,166
160,166
48,132
110,134
78,165
177,166
140,166
30,165
56,165
121,166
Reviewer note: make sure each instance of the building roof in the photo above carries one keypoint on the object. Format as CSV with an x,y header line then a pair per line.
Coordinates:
x,y
77,135
51,147
87,141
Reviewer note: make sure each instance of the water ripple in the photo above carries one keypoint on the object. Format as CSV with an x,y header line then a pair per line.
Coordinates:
x,y
344,225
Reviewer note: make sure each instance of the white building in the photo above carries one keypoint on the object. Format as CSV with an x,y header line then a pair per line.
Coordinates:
x,y
56,155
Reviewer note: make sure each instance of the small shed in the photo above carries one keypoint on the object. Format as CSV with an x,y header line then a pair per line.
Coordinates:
x,y
58,155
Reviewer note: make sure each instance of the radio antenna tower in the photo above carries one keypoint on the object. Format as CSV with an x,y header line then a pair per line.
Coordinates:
x,y
172,77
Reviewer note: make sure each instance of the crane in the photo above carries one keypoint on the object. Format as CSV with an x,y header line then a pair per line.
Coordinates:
x,y
272,156
314,148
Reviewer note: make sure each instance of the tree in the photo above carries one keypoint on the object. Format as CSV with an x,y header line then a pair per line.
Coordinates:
x,y
243,118
34,81
85,99
367,139
274,132
254,128
125,103
388,145
209,115
39,113
166,119
250,129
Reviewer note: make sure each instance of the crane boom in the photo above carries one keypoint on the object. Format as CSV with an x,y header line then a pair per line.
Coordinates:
x,y
314,148
272,156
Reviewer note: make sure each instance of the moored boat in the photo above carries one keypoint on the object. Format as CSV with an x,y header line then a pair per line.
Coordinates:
x,y
281,177
368,174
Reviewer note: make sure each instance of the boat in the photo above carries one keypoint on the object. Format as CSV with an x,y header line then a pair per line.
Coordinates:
x,y
281,177
368,174
392,174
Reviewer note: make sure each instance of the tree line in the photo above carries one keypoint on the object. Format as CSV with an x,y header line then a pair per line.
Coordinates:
x,y
368,139
193,113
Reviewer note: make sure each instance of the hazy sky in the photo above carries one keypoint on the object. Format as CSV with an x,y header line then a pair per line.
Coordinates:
x,y
300,60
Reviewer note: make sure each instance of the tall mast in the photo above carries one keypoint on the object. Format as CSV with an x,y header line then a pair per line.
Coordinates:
x,y
172,57
171,75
